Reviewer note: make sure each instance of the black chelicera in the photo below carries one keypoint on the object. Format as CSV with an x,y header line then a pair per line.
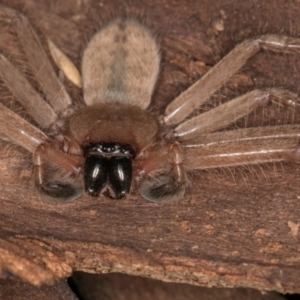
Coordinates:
x,y
108,166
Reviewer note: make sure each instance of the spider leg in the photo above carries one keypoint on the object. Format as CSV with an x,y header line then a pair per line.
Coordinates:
x,y
233,110
38,60
30,99
245,135
50,152
19,130
244,152
201,91
35,141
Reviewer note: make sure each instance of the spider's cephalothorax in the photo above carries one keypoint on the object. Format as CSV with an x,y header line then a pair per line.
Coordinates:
x,y
114,144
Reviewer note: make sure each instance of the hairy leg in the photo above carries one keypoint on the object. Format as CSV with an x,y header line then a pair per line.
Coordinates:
x,y
243,152
233,110
246,135
37,59
19,130
22,90
201,91
65,168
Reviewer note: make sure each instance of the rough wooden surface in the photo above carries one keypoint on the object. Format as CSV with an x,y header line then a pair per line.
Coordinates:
x,y
235,228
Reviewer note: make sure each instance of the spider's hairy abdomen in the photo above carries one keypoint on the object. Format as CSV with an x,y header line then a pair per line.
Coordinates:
x,y
121,64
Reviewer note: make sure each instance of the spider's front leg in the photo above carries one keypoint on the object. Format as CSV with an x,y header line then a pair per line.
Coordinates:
x,y
162,173
62,158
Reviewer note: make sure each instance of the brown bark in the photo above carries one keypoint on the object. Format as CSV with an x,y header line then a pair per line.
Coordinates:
x,y
235,227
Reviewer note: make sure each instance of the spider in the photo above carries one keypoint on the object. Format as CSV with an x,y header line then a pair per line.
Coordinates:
x,y
114,144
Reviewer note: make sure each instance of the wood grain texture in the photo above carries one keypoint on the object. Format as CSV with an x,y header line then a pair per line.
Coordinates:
x,y
235,227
